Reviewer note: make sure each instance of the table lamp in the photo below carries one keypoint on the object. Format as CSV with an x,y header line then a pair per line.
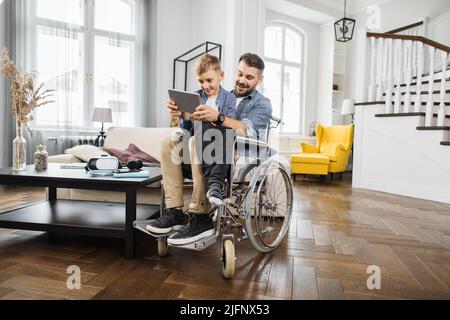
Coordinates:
x,y
348,107
102,115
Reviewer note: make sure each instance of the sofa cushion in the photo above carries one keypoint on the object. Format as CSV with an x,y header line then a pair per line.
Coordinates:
x,y
312,158
84,152
147,139
131,153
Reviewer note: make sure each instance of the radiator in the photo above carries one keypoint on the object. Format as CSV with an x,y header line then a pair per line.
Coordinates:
x,y
58,145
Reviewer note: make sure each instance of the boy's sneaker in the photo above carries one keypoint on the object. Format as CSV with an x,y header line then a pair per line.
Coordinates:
x,y
215,194
200,226
173,220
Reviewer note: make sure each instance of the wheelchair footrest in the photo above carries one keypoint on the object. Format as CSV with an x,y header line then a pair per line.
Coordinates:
x,y
141,226
198,245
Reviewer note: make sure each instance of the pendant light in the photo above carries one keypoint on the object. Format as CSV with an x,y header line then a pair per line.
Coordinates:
x,y
344,28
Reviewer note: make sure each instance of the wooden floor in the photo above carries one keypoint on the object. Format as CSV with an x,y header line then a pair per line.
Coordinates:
x,y
336,233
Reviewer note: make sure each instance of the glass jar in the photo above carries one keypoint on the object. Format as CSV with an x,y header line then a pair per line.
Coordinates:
x,y
41,158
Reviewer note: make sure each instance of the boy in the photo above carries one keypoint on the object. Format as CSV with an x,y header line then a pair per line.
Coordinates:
x,y
209,74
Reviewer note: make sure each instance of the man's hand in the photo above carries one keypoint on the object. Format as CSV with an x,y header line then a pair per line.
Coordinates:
x,y
205,113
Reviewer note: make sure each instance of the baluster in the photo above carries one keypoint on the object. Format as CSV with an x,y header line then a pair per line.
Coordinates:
x,y
372,85
388,105
398,76
380,69
430,104
441,112
414,57
385,63
408,72
420,59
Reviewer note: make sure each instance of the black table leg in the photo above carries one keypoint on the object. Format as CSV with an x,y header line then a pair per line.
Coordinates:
x,y
52,194
129,219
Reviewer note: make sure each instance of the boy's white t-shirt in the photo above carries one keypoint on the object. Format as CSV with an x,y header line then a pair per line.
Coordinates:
x,y
211,102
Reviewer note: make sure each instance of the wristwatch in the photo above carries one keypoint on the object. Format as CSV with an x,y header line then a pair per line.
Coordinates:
x,y
220,119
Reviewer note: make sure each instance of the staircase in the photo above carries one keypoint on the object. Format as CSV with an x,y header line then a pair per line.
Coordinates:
x,y
410,76
402,134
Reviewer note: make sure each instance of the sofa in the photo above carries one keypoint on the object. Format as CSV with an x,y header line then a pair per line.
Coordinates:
x,y
147,139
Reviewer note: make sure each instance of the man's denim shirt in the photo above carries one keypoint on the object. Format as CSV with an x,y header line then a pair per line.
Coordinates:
x,y
225,103
255,112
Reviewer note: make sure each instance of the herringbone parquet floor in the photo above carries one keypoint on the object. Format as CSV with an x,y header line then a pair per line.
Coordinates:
x,y
337,232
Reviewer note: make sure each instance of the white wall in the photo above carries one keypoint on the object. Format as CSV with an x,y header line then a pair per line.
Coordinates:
x,y
312,33
392,156
325,74
169,38
394,14
399,13
439,28
179,25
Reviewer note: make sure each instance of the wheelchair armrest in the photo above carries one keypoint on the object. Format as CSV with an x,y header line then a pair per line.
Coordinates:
x,y
251,141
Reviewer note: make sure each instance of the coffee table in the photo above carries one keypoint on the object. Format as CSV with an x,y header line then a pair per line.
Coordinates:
x,y
90,218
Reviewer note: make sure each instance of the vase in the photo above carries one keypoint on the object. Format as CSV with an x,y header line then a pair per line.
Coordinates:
x,y
19,149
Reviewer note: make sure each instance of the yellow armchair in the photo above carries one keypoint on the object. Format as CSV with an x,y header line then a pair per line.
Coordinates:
x,y
330,155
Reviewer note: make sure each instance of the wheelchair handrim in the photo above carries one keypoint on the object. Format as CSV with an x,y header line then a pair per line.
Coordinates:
x,y
257,240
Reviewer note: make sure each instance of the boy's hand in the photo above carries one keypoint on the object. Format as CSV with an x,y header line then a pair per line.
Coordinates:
x,y
206,113
173,109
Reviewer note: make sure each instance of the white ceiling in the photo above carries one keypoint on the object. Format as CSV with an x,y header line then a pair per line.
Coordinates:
x,y
319,11
300,12
352,5
334,8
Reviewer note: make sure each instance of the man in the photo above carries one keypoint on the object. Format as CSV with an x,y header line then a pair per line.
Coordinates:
x,y
253,113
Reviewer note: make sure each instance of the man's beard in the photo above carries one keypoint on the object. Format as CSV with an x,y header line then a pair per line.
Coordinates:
x,y
245,93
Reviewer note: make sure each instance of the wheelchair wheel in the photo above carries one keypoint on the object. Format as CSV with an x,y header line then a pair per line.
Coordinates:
x,y
268,206
246,173
228,259
162,246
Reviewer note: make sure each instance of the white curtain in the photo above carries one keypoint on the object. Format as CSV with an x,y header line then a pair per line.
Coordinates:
x,y
5,122
92,54
13,38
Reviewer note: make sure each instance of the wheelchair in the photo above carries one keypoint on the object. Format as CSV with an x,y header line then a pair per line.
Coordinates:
x,y
257,207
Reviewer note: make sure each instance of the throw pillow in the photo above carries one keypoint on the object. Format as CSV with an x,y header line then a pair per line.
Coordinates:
x,y
84,152
131,153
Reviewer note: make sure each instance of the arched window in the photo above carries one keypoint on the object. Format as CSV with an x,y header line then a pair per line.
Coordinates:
x,y
283,80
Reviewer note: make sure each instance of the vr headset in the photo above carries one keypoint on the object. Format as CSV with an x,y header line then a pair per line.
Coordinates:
x,y
112,164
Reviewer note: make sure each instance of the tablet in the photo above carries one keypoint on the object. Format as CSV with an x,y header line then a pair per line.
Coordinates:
x,y
186,101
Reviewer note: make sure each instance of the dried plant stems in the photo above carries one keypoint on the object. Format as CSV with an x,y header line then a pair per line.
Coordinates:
x,y
25,97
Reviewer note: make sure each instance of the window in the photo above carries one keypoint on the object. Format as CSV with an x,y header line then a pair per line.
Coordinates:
x,y
86,51
283,52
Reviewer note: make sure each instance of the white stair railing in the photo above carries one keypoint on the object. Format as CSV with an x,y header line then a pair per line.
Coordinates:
x,y
389,70
408,75
420,59
373,55
441,112
398,76
430,103
380,59
397,59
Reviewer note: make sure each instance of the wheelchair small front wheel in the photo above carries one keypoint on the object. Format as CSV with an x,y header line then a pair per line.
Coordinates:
x,y
162,247
228,259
